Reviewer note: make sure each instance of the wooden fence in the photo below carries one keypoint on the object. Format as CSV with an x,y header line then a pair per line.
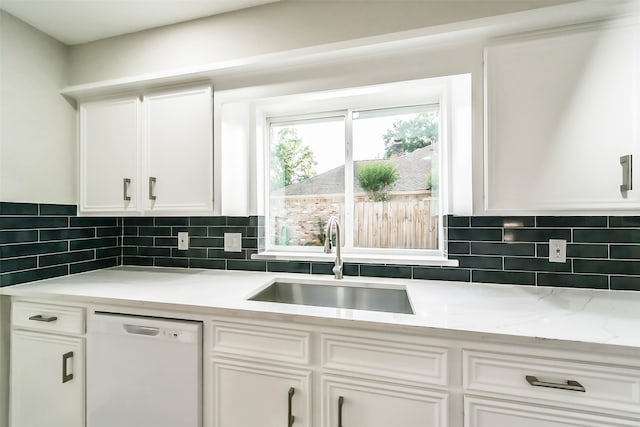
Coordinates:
x,y
407,221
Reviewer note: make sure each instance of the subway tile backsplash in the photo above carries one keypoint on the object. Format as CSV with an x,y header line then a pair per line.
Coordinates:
x,y
40,241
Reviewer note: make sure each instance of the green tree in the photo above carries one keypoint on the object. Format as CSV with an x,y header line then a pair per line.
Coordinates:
x,y
409,135
377,179
291,161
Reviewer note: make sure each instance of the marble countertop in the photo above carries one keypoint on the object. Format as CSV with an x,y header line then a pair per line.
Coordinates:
x,y
462,310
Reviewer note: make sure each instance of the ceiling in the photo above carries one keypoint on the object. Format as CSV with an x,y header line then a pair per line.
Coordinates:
x,y
80,21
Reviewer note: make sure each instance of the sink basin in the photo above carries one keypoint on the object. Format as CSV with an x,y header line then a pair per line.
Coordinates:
x,y
390,300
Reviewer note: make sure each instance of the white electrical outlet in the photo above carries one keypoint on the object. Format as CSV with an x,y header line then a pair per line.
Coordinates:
x,y
233,242
183,240
557,250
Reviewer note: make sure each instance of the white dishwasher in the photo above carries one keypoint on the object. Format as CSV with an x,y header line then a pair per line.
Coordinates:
x,y
143,372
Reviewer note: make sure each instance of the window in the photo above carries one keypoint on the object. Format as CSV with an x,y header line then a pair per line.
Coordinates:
x,y
376,169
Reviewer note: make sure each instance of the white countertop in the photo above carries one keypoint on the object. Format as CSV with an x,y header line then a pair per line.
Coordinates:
x,y
450,309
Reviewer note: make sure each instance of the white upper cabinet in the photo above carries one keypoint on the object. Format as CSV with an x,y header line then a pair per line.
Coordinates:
x,y
109,133
562,109
152,156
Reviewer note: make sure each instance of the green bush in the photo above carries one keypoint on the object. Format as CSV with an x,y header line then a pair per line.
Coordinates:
x,y
377,179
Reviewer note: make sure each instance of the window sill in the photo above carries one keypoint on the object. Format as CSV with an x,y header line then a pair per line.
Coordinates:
x,y
358,258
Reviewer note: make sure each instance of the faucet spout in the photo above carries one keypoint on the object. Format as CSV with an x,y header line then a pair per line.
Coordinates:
x,y
331,223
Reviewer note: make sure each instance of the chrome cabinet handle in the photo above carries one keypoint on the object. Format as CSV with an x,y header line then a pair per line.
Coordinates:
x,y
569,385
66,377
627,173
290,417
340,404
152,187
125,189
41,318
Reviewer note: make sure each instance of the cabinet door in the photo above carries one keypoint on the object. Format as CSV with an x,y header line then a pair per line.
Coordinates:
x,y
494,413
561,111
260,395
353,403
109,134
47,380
178,152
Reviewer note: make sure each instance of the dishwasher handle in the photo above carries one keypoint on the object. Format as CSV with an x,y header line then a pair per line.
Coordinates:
x,y
141,330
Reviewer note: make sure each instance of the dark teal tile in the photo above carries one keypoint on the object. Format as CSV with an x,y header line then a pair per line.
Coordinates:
x,y
535,264
65,258
480,262
571,221
504,277
10,208
171,262
219,231
90,221
206,242
31,222
475,234
391,271
67,233
246,265
573,280
190,253
249,243
207,220
20,236
140,241
350,269
33,275
108,231
165,241
16,264
153,251
136,221
216,264
137,260
606,266
607,235
503,221
536,234
322,267
130,231
437,273
11,251
460,248
129,250
222,254
61,210
458,221
289,267
508,248
624,221
102,242
577,250
625,251
625,283
93,265
193,231
108,252
242,221
154,231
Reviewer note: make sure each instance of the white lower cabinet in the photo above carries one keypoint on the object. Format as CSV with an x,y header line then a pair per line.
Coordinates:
x,y
248,394
47,371
360,403
495,413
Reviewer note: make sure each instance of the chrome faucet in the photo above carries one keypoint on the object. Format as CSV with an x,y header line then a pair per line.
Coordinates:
x,y
333,220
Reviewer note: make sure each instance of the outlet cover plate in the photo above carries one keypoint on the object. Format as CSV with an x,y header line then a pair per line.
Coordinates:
x,y
233,242
557,250
183,241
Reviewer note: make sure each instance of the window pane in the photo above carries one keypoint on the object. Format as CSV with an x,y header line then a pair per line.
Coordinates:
x,y
306,180
395,201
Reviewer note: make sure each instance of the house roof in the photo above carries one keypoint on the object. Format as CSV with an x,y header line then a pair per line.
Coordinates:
x,y
412,168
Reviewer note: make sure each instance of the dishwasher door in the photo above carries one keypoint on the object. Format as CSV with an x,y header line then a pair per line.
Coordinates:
x,y
143,372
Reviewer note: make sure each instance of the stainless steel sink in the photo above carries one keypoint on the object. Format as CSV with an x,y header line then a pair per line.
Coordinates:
x,y
329,295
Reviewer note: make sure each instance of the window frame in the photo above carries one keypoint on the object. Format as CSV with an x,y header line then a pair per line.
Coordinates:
x,y
348,249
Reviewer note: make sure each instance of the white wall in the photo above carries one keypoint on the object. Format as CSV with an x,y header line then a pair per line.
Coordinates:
x,y
268,29
37,125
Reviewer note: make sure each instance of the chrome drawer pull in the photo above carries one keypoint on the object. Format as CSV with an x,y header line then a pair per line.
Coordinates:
x,y
290,417
125,189
41,318
66,376
152,187
340,405
570,385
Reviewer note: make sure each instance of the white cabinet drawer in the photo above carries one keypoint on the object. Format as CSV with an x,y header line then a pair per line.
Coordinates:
x,y
609,387
496,413
261,341
385,357
49,318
